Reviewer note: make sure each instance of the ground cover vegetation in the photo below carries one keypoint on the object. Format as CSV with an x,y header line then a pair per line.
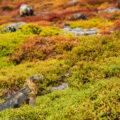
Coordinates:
x,y
41,47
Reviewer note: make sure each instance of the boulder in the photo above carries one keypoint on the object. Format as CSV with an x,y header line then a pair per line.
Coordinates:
x,y
16,100
12,27
26,10
79,16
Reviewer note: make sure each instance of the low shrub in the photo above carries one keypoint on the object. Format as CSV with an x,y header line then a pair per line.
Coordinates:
x,y
52,70
98,101
92,23
42,48
39,30
30,29
10,41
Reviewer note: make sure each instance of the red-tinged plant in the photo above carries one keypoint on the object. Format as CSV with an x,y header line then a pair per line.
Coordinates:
x,y
117,25
98,1
42,48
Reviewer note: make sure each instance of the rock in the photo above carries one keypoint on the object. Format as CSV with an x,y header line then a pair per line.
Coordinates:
x,y
16,100
79,16
12,27
110,10
79,31
67,29
63,86
36,77
26,10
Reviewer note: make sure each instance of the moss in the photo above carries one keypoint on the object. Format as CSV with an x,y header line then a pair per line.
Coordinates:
x,y
41,48
92,23
39,30
10,41
94,101
30,29
52,70
50,31
93,61
89,61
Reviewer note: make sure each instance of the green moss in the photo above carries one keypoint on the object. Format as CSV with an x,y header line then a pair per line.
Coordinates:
x,y
4,63
10,41
30,29
93,91
96,101
52,70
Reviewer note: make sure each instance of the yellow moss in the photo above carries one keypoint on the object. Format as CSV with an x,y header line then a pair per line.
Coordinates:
x,y
92,23
103,5
39,30
50,31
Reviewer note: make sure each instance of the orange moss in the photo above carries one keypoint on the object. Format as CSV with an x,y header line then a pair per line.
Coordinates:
x,y
117,25
42,48
98,1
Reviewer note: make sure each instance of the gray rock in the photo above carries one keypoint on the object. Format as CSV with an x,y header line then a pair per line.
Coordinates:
x,y
67,29
36,77
79,31
110,10
79,16
63,86
93,29
13,27
16,100
26,10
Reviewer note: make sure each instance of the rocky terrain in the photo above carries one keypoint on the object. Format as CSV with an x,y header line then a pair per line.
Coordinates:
x,y
74,44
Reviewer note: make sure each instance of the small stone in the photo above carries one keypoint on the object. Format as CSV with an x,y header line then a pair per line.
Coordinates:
x,y
36,77
63,86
